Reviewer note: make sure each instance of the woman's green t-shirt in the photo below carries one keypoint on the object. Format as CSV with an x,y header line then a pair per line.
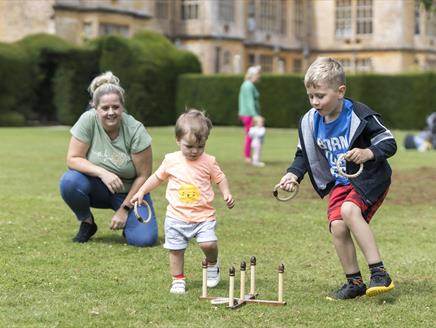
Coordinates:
x,y
113,155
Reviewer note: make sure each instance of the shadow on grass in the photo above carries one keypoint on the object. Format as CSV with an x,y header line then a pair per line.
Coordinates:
x,y
119,240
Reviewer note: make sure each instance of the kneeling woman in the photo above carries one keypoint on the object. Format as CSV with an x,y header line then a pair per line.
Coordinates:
x,y
109,158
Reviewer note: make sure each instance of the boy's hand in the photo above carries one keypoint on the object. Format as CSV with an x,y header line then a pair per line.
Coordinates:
x,y
288,182
359,155
229,201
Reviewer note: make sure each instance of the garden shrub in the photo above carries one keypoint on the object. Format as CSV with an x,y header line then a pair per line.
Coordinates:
x,y
9,118
46,52
17,81
403,100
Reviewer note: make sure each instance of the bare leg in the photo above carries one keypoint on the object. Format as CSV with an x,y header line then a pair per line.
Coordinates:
x,y
210,250
344,246
354,220
177,262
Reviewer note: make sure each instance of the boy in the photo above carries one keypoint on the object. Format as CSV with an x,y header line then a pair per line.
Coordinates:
x,y
337,125
189,193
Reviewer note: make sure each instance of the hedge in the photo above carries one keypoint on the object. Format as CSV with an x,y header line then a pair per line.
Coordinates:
x,y
16,83
147,65
45,79
403,100
76,70
45,52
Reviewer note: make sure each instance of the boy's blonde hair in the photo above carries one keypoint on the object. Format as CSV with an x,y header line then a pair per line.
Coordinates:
x,y
105,83
325,70
193,123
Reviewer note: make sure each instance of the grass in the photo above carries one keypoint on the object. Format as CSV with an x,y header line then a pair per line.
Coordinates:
x,y
47,281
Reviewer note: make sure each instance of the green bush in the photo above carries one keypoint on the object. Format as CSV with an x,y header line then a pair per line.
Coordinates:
x,y
70,82
16,82
282,100
46,79
217,95
148,66
46,52
403,100
12,119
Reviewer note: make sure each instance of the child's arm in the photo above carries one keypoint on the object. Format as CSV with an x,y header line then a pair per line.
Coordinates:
x,y
298,167
295,172
382,145
152,183
223,186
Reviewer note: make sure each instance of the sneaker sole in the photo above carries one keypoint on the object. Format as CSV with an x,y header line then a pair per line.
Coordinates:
x,y
212,285
374,291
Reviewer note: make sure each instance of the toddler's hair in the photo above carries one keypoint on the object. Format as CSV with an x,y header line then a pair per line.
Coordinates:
x,y
258,120
104,84
325,70
194,123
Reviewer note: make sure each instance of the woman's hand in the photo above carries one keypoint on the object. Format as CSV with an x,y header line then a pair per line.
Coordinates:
x,y
112,181
119,219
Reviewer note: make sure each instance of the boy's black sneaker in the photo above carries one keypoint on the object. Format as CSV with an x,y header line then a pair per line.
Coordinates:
x,y
348,291
380,283
86,231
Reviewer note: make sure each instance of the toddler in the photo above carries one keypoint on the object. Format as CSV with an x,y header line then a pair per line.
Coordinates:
x,y
257,134
190,214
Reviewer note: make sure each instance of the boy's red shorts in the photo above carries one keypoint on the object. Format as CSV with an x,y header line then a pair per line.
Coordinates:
x,y
340,194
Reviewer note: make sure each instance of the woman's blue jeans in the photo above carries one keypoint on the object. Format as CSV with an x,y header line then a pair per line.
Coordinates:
x,y
81,192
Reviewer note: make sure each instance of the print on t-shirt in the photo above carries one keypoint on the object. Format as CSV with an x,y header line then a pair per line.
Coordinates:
x,y
189,193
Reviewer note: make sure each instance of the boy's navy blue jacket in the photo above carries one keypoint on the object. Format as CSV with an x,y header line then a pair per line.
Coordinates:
x,y
366,131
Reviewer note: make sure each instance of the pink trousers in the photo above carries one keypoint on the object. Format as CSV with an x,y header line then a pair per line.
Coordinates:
x,y
247,121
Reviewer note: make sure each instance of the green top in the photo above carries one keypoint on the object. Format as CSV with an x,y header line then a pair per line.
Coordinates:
x,y
112,155
248,99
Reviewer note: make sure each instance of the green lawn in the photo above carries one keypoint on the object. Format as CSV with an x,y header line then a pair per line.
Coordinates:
x,y
47,281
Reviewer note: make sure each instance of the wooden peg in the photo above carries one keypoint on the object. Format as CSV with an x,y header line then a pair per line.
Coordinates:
x,y
281,270
231,286
253,275
204,285
242,290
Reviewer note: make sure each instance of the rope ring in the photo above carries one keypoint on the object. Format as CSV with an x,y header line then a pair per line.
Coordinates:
x,y
138,216
344,174
291,195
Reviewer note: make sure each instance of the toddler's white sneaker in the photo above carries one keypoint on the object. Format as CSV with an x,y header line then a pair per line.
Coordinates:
x,y
213,275
178,286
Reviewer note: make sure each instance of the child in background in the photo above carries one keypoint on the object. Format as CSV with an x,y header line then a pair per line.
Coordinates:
x,y
333,126
189,192
257,134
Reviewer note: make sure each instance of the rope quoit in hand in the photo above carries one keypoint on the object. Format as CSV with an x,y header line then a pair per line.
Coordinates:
x,y
138,216
344,174
292,193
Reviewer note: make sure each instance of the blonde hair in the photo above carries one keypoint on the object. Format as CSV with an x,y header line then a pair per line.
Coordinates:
x,y
258,120
104,84
252,71
326,70
193,123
